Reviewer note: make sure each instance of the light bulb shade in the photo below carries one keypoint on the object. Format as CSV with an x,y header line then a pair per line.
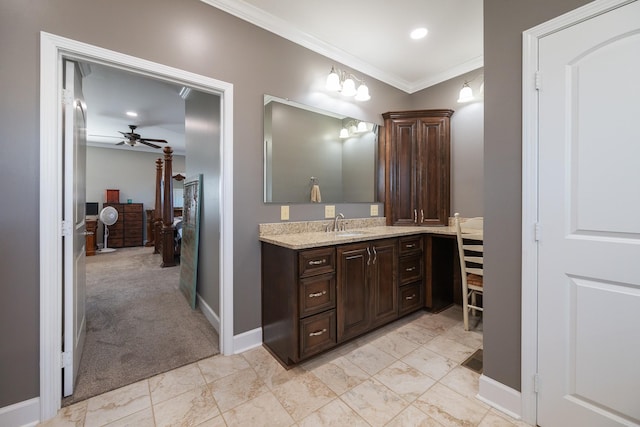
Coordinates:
x,y
333,81
363,93
362,127
344,133
466,94
348,87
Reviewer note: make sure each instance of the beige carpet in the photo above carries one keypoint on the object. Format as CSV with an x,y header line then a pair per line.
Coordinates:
x,y
138,323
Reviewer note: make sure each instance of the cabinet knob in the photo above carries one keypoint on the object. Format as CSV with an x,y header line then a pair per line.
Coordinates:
x,y
317,294
315,334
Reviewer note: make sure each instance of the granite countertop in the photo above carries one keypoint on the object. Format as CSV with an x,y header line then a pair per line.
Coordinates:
x,y
315,239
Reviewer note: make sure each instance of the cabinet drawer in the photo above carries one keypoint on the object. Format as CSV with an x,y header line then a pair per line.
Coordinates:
x,y
317,293
316,261
130,207
410,269
410,245
116,233
317,333
410,298
133,216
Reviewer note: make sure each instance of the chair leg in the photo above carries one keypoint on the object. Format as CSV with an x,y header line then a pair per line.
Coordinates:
x,y
465,312
473,303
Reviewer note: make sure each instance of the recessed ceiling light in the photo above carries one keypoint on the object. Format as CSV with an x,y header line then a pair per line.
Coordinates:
x,y
419,33
132,114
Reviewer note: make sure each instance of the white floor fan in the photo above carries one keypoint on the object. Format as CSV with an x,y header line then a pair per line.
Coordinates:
x,y
108,216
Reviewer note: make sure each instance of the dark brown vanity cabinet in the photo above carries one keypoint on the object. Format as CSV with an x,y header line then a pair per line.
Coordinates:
x,y
411,274
367,286
417,167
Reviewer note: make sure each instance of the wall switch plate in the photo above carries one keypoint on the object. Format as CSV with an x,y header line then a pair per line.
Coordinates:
x,y
329,211
284,213
374,210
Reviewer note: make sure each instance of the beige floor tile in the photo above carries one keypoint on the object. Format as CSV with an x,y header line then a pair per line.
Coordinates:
x,y
303,395
430,363
462,380
269,369
264,410
517,423
336,413
172,383
220,366
413,417
374,402
72,415
340,375
395,345
493,420
214,422
434,323
450,349
143,418
469,338
116,404
406,381
415,333
370,359
237,388
190,408
450,408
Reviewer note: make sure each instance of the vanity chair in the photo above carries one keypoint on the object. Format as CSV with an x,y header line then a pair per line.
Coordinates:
x,y
471,264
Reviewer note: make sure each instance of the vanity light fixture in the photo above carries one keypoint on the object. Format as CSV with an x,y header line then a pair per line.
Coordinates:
x,y
345,83
351,129
466,93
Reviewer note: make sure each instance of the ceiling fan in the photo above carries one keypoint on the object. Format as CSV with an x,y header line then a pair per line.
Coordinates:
x,y
133,138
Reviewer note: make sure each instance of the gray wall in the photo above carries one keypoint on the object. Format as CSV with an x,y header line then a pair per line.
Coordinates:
x,y
467,139
202,138
504,22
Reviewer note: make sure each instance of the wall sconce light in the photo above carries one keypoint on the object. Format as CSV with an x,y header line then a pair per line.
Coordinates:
x,y
345,83
351,129
466,93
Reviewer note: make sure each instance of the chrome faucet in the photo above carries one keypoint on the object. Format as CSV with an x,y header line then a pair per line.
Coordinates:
x,y
335,222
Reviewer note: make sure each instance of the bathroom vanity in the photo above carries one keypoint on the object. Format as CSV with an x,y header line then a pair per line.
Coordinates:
x,y
321,289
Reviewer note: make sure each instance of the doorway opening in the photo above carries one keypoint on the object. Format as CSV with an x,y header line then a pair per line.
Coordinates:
x,y
53,50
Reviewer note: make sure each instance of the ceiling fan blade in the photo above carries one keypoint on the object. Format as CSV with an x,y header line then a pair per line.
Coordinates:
x,y
120,143
154,140
142,141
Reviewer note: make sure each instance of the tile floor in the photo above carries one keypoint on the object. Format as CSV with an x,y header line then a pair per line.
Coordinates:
x,y
405,374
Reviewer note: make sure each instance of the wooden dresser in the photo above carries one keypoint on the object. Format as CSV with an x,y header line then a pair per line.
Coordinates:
x,y
128,230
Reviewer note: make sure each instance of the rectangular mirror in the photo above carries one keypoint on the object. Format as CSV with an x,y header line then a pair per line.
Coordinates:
x,y
304,146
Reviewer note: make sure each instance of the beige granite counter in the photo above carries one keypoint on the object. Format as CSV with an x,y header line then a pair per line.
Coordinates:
x,y
307,235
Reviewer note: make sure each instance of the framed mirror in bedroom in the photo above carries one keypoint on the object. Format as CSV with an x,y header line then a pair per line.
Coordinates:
x,y
189,233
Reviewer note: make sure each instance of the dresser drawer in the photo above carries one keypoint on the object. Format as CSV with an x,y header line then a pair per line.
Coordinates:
x,y
317,333
133,216
316,261
317,293
410,244
131,207
410,269
410,298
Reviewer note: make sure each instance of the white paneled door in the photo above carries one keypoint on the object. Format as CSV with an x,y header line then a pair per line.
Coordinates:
x,y
74,228
589,215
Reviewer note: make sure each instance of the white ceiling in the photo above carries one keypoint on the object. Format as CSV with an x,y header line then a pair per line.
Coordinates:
x,y
372,36
369,36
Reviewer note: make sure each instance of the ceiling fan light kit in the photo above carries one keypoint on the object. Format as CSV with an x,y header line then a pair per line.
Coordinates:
x,y
132,139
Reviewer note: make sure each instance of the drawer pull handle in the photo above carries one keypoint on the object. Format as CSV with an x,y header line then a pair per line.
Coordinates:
x,y
410,268
317,294
409,298
315,334
410,246
317,262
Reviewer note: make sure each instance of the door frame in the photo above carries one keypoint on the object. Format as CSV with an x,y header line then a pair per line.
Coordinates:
x,y
530,194
52,49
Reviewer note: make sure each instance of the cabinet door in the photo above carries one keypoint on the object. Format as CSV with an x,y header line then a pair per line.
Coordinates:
x,y
383,281
433,159
353,308
404,172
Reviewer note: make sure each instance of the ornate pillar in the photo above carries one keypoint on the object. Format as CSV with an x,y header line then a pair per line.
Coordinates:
x,y
168,243
157,213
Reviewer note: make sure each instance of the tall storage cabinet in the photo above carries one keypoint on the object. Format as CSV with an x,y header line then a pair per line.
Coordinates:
x,y
417,167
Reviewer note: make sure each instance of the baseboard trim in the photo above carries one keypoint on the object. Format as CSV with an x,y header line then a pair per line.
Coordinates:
x,y
501,397
247,340
208,312
21,414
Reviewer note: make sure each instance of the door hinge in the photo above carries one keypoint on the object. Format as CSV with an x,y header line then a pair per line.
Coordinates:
x,y
65,360
538,80
67,97
536,383
65,228
536,231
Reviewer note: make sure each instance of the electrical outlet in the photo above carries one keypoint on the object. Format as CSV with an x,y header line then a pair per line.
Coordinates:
x,y
329,211
374,210
284,213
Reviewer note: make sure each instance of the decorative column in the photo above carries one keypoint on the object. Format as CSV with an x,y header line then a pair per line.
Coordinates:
x,y
157,213
168,243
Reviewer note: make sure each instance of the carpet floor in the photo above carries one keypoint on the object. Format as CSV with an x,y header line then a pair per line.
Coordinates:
x,y
138,323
